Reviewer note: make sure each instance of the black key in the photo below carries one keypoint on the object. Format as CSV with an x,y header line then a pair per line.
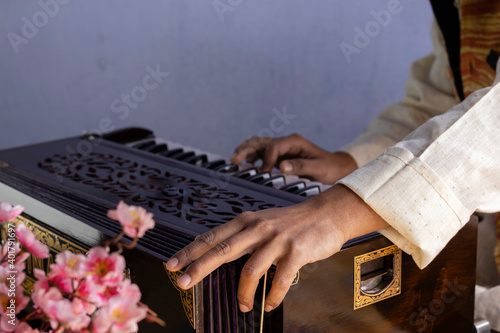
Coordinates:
x,y
309,191
173,152
144,145
197,159
227,168
260,177
276,181
213,164
156,149
184,156
294,187
246,173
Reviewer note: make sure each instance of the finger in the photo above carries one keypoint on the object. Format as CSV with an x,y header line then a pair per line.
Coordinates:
x,y
252,271
204,243
225,251
291,145
249,147
252,158
285,274
302,167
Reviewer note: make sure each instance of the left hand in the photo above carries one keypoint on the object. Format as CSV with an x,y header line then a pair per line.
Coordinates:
x,y
289,238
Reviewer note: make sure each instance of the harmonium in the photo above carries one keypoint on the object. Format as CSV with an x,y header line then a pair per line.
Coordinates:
x,y
67,187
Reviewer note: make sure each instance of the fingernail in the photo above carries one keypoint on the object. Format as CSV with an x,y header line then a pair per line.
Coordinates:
x,y
244,308
268,308
184,280
286,167
172,263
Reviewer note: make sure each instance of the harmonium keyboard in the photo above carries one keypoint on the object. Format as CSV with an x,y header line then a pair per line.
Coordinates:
x,y
67,186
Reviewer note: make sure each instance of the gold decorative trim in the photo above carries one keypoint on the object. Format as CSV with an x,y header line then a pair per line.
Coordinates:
x,y
361,298
187,296
54,242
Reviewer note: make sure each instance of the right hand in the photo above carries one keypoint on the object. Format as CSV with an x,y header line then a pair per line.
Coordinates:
x,y
295,155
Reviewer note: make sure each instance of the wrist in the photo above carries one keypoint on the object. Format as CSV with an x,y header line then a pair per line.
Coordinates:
x,y
349,213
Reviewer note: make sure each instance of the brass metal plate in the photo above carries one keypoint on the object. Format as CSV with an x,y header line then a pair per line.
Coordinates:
x,y
361,298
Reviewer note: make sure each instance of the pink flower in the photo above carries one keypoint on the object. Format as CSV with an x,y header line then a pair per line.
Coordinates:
x,y
70,315
9,213
16,302
60,311
6,324
104,269
121,314
129,289
20,258
42,281
135,220
84,294
11,290
42,298
33,246
7,276
69,264
62,282
124,289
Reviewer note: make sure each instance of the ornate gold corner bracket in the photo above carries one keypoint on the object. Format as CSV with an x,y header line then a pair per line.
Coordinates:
x,y
393,288
187,296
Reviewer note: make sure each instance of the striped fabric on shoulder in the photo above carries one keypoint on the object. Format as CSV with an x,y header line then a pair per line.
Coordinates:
x,y
480,43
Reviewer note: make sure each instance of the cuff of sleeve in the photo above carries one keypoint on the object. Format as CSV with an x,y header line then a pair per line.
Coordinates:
x,y
422,211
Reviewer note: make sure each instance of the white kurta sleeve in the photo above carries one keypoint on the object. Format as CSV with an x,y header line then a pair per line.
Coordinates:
x,y
429,92
427,186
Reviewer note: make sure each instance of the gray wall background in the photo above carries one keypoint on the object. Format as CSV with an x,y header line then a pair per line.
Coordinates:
x,y
230,63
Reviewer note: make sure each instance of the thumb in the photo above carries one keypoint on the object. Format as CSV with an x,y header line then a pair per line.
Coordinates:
x,y
300,167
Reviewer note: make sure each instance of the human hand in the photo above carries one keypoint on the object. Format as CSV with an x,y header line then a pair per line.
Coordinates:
x,y
288,237
295,155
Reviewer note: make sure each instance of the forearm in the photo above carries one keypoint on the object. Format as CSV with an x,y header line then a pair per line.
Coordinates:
x,y
347,212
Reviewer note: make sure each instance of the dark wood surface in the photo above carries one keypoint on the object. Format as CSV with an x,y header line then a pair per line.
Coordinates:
x,y
439,298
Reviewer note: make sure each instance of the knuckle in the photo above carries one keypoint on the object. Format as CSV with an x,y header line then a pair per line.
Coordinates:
x,y
282,282
271,149
195,269
222,249
245,216
263,226
184,255
250,271
295,136
297,247
207,238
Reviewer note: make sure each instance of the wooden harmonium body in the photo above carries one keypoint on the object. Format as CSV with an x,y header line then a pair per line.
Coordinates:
x,y
67,186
